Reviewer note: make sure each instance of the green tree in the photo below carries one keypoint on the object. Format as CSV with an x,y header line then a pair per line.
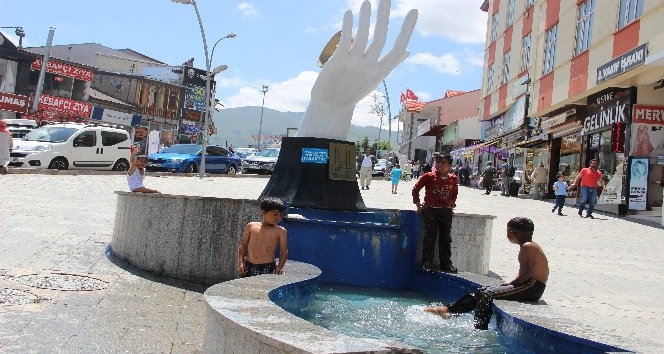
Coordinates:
x,y
361,145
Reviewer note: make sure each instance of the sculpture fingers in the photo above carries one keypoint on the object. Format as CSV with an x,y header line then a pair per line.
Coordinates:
x,y
345,41
380,31
398,52
362,37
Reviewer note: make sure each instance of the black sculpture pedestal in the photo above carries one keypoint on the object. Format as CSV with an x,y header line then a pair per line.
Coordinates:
x,y
308,184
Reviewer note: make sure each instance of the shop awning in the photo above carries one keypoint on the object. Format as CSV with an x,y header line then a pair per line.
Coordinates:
x,y
488,145
434,131
530,143
98,95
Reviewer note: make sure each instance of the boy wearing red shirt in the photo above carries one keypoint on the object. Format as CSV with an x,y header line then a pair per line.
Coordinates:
x,y
440,193
590,178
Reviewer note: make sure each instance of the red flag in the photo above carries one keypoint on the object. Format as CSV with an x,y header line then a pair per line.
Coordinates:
x,y
403,97
411,95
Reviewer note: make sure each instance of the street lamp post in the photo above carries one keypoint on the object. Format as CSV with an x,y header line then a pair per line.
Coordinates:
x,y
230,35
209,74
19,32
260,126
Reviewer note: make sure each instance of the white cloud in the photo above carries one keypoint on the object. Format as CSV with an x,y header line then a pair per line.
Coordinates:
x,y
456,63
292,95
444,64
442,18
247,9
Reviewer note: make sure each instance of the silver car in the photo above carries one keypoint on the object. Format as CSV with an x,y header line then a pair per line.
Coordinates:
x,y
262,162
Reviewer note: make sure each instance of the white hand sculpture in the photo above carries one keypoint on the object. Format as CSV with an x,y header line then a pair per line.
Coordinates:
x,y
351,73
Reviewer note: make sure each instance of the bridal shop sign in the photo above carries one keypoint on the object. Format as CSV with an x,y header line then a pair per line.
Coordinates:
x,y
647,131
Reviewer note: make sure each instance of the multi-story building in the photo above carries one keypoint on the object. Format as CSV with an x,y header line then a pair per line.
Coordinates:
x,y
566,81
14,79
132,88
441,125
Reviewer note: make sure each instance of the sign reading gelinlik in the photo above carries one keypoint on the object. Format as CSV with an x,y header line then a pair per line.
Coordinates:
x,y
621,64
312,155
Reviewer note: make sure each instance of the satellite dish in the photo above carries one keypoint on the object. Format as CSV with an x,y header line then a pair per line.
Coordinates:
x,y
329,49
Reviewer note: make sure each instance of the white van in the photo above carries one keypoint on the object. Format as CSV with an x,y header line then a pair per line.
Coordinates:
x,y
73,146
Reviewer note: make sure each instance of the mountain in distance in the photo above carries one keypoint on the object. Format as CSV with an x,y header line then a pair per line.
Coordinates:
x,y
235,126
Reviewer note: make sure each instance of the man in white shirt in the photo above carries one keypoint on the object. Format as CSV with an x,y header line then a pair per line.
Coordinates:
x,y
366,169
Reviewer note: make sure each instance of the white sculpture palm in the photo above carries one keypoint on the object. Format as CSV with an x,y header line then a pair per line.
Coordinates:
x,y
352,73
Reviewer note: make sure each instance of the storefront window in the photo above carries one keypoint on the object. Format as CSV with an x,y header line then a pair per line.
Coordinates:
x,y
612,166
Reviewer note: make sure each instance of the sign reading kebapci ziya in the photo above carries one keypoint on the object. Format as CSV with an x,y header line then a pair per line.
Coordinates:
x,y
59,104
58,68
313,155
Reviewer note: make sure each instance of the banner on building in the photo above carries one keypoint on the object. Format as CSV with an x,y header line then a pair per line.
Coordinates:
x,y
115,117
13,103
606,109
647,137
638,184
58,68
63,105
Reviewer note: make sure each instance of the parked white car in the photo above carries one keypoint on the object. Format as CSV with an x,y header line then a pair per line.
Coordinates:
x,y
262,162
73,146
381,168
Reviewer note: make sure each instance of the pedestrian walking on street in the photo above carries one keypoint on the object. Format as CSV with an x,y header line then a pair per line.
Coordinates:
x,y
366,169
440,194
487,177
539,177
589,178
504,169
560,188
396,177
416,170
6,145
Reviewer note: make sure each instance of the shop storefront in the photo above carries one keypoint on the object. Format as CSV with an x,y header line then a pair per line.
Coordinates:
x,y
565,148
159,105
646,157
608,116
65,92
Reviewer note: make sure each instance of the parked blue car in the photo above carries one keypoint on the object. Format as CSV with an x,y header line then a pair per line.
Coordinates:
x,y
187,158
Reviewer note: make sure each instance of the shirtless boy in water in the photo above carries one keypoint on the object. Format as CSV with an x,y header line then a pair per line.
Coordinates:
x,y
260,240
528,285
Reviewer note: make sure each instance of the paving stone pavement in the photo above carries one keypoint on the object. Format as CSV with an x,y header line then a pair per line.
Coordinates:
x,y
607,274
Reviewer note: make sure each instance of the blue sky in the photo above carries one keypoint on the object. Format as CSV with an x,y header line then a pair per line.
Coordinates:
x,y
277,43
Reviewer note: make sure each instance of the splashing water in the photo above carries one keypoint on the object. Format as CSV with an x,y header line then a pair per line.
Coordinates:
x,y
382,314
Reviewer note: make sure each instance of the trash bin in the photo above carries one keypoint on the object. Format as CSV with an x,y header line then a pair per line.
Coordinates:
x,y
514,188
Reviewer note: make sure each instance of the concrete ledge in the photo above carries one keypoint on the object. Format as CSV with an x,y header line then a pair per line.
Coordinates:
x,y
241,319
184,237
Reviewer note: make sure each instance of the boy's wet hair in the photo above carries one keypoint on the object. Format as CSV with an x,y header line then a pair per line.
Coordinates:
x,y
521,224
271,203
